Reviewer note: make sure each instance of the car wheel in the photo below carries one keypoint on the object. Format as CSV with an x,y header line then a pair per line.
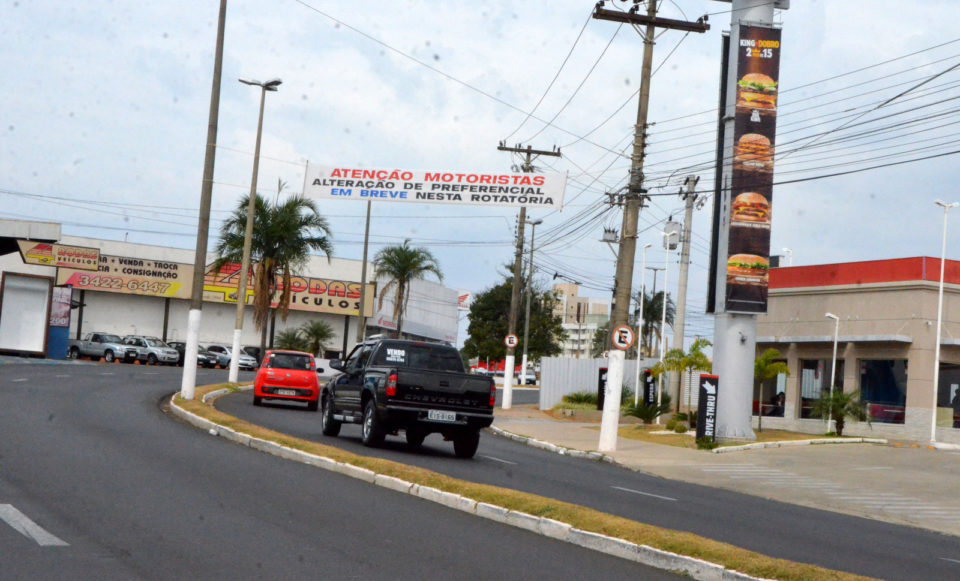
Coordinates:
x,y
372,432
328,425
313,405
465,444
73,353
151,359
415,437
257,400
108,356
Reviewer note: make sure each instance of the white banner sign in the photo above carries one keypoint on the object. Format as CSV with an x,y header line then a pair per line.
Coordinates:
x,y
542,190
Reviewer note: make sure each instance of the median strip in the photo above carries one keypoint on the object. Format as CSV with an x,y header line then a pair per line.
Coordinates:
x,y
682,552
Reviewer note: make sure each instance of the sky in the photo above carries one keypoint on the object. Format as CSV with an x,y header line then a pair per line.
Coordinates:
x,y
103,122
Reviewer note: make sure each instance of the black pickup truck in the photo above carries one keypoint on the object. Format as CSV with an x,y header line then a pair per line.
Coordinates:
x,y
388,385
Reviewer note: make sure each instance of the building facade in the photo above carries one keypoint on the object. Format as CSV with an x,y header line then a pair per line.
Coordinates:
x,y
885,329
581,316
138,289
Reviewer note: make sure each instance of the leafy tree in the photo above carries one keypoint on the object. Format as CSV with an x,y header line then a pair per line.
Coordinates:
x,y
402,264
316,333
291,339
488,324
284,235
680,361
652,316
766,367
839,405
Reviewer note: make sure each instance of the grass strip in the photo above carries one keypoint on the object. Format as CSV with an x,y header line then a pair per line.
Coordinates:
x,y
682,543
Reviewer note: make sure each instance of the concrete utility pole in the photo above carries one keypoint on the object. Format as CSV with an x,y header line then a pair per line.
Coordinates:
x,y
690,197
634,201
189,379
526,318
361,314
517,272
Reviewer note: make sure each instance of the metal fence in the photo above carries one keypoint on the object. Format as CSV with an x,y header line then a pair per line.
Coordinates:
x,y
560,376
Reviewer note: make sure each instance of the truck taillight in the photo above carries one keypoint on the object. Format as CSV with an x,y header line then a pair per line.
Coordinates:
x,y
392,385
493,394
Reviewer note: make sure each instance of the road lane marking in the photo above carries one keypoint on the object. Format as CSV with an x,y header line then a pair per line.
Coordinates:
x,y
951,560
18,380
874,468
62,376
498,460
28,528
644,493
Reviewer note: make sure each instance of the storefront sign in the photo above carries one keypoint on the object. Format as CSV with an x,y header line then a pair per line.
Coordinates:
x,y
751,196
133,276
707,407
76,257
541,190
319,295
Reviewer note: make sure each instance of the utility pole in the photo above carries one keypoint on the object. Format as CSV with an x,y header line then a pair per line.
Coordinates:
x,y
189,380
527,167
361,314
634,201
689,196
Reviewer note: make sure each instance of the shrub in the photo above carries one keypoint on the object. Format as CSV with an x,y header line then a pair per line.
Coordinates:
x,y
648,413
672,424
581,397
706,444
681,428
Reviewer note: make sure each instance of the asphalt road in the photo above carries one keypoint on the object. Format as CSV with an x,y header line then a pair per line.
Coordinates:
x,y
96,482
782,530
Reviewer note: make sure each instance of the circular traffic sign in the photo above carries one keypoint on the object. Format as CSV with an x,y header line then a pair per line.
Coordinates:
x,y
622,337
511,340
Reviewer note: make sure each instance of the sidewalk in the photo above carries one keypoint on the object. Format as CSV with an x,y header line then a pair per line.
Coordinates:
x,y
901,484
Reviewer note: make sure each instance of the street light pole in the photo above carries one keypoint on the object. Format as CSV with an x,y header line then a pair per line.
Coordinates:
x,y
248,234
643,297
526,321
936,350
833,368
663,311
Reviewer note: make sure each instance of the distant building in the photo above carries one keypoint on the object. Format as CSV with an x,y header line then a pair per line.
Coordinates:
x,y
582,316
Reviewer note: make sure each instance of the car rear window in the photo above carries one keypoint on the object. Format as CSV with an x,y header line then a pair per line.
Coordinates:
x,y
419,355
289,361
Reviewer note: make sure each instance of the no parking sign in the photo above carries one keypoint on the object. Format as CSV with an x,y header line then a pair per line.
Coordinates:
x,y
511,341
622,337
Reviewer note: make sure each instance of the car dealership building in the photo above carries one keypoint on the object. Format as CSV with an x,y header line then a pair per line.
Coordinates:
x,y
126,289
885,329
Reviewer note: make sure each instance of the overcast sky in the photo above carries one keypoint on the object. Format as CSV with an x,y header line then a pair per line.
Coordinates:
x,y
104,118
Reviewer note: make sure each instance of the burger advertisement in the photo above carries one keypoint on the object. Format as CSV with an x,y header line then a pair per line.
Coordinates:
x,y
751,198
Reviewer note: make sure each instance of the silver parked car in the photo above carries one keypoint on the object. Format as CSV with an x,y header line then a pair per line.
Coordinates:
x,y
152,350
225,353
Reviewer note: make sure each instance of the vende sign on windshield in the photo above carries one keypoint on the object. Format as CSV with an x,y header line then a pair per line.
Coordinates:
x,y
543,190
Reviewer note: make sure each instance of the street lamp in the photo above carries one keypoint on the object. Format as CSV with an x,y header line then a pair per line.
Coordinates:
x,y
833,368
248,235
526,322
643,296
936,350
663,321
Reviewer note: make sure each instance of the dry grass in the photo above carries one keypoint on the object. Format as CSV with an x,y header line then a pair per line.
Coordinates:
x,y
580,517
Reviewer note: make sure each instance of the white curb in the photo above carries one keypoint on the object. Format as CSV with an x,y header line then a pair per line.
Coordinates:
x,y
695,568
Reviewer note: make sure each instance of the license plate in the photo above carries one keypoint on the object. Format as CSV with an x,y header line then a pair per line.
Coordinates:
x,y
286,392
441,416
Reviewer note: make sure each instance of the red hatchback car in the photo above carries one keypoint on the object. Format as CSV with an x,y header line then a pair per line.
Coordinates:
x,y
288,376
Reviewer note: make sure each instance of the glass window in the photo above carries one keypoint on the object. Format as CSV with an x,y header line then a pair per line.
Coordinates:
x,y
771,394
815,382
883,386
948,396
289,361
420,355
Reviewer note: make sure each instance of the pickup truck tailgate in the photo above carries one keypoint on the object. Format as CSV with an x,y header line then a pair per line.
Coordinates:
x,y
444,389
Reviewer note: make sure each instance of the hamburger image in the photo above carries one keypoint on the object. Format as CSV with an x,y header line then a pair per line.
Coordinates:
x,y
757,91
754,153
747,269
750,209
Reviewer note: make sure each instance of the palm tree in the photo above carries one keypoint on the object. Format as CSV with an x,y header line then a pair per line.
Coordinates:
x,y
679,361
653,314
284,235
401,265
316,333
839,405
291,339
766,367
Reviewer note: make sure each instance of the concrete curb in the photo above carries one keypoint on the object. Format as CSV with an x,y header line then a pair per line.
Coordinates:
x,y
695,568
793,443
